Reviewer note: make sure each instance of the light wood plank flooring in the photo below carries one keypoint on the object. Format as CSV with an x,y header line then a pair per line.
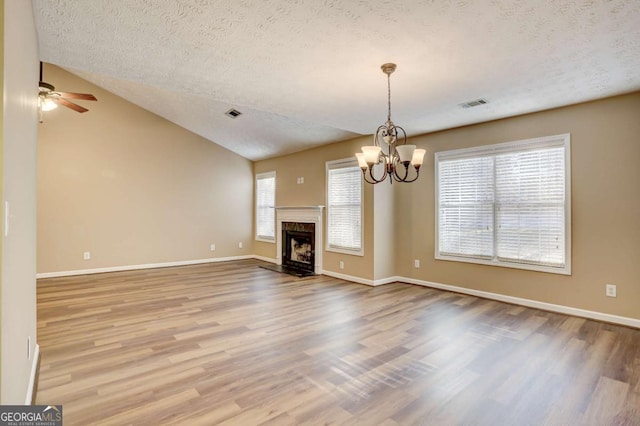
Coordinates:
x,y
232,343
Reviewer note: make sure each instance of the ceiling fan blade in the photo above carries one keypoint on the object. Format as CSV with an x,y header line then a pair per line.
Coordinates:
x,y
70,105
84,96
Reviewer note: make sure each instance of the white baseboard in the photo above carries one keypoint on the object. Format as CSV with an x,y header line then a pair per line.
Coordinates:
x,y
32,378
265,259
561,309
350,278
388,280
365,281
135,267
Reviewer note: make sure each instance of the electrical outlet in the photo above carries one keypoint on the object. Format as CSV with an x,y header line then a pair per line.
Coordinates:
x,y
611,290
341,264
213,247
416,263
86,255
240,244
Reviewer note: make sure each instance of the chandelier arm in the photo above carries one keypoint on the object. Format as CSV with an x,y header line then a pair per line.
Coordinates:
x,y
404,134
376,138
406,173
406,180
364,176
382,178
381,132
415,178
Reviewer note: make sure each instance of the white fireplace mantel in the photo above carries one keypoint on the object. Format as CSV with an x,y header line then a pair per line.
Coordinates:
x,y
303,214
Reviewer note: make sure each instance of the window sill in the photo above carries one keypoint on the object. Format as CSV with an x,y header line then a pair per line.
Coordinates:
x,y
566,270
266,240
345,251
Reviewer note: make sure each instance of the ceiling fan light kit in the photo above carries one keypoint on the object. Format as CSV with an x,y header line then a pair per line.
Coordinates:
x,y
390,149
47,104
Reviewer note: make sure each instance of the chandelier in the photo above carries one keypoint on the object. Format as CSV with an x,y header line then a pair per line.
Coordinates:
x,y
390,149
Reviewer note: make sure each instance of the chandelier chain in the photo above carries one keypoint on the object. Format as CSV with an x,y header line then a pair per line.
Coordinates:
x,y
389,97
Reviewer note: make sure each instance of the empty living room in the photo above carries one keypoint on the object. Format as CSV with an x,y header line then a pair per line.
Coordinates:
x,y
320,213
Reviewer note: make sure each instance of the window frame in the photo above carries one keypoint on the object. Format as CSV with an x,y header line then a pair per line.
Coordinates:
x,y
338,164
265,238
561,140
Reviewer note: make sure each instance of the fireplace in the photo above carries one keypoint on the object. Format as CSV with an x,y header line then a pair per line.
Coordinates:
x,y
303,255
298,246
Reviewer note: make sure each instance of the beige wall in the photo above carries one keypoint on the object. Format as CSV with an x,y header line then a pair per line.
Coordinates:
x,y
605,154
132,188
19,190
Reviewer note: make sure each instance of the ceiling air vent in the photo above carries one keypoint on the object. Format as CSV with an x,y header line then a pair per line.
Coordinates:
x,y
233,113
474,103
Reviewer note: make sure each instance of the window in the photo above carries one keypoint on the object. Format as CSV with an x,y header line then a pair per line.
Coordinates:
x,y
506,204
344,207
265,206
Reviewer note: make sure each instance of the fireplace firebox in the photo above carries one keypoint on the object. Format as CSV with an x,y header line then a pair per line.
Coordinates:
x,y
298,246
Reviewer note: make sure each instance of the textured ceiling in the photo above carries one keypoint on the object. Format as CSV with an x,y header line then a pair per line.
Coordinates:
x,y
307,72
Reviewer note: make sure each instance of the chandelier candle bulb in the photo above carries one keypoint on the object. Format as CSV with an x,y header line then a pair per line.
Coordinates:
x,y
418,157
371,154
361,160
405,152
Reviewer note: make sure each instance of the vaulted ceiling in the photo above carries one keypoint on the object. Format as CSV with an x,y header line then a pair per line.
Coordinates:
x,y
307,72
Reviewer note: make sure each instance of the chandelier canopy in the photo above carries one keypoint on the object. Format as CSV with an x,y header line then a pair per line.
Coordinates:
x,y
390,148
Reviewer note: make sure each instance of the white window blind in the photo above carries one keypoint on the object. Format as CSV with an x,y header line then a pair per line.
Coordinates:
x,y
265,206
344,206
506,204
466,207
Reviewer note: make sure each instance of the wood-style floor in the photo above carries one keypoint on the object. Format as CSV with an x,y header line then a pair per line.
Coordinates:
x,y
232,343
